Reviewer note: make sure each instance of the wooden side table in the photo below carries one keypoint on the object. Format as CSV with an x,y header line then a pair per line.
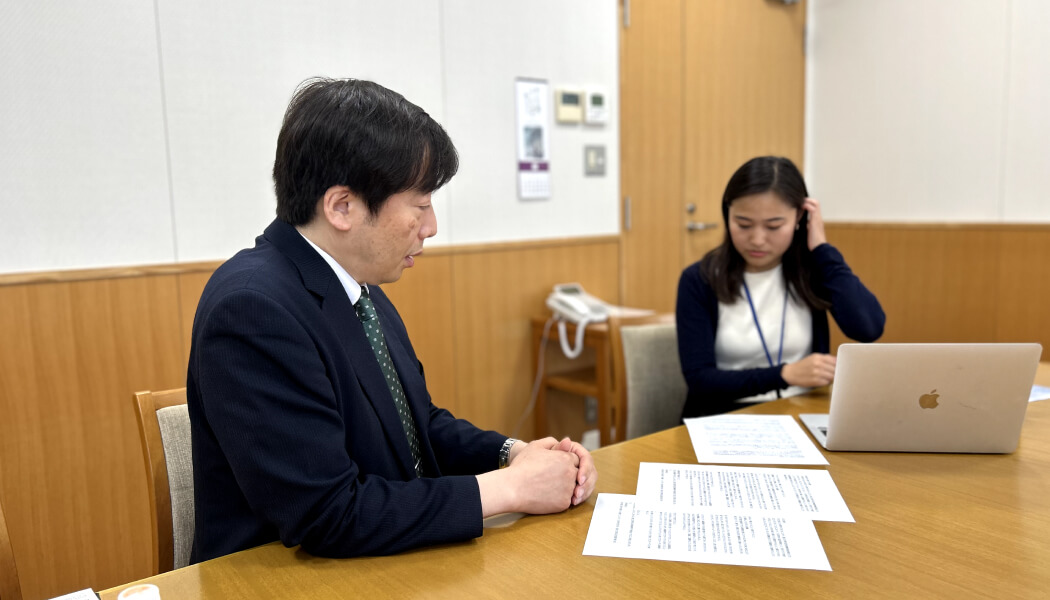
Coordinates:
x,y
580,379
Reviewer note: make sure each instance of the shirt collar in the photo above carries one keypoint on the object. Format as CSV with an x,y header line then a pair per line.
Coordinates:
x,y
352,287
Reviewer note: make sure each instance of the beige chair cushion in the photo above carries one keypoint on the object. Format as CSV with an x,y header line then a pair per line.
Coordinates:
x,y
178,454
656,389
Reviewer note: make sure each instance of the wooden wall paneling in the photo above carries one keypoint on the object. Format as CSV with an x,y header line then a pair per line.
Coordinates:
x,y
1023,287
73,482
651,153
494,296
935,283
744,96
69,276
423,297
191,286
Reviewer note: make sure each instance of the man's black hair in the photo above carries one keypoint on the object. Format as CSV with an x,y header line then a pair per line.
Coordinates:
x,y
358,134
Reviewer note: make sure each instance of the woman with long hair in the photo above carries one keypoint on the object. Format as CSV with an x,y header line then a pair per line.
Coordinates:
x,y
752,314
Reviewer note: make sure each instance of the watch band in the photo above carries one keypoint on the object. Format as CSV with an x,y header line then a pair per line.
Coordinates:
x,y
504,452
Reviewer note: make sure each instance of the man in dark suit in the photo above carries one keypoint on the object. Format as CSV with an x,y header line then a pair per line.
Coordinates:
x,y
309,411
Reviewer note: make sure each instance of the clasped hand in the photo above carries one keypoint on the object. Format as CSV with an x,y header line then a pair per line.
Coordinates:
x,y
555,475
544,476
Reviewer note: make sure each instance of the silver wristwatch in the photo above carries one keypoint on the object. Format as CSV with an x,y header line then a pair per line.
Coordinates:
x,y
504,452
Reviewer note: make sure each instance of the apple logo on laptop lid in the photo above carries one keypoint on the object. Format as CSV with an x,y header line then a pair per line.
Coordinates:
x,y
929,400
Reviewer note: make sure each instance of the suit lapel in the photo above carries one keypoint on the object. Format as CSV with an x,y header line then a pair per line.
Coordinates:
x,y
320,280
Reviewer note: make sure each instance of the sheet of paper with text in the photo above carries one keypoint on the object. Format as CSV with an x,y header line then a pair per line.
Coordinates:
x,y
752,439
809,493
628,527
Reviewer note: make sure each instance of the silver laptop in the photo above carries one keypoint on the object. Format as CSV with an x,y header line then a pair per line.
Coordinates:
x,y
928,397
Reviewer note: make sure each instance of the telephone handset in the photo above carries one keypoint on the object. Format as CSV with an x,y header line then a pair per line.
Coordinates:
x,y
570,303
568,300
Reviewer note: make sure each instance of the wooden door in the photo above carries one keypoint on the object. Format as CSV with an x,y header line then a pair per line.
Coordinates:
x,y
744,96
704,86
651,152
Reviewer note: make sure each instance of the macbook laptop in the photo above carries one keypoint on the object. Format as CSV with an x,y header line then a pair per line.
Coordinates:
x,y
928,398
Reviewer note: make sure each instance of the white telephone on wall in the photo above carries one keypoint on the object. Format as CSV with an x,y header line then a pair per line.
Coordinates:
x,y
570,303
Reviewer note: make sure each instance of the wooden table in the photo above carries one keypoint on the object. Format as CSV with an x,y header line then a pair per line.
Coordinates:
x,y
928,525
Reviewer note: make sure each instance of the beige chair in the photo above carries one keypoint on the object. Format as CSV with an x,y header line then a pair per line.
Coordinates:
x,y
164,428
9,587
650,389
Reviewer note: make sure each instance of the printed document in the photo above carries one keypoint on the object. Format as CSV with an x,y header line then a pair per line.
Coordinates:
x,y
1039,393
752,439
628,527
809,493
88,594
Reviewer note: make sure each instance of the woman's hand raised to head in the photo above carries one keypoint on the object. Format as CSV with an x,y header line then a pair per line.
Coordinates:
x,y
816,223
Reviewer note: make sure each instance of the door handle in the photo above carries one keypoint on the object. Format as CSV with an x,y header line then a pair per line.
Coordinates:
x,y
694,226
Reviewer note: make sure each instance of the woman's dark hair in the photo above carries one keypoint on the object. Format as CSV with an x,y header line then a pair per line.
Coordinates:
x,y
723,267
361,135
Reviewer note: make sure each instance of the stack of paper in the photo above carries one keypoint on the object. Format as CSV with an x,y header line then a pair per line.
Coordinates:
x,y
721,514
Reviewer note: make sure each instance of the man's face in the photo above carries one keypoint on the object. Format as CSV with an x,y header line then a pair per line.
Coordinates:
x,y
384,245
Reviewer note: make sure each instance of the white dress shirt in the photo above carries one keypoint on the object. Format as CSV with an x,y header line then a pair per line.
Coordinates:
x,y
353,289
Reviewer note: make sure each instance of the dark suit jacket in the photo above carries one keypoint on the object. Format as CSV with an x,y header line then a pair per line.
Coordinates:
x,y
295,434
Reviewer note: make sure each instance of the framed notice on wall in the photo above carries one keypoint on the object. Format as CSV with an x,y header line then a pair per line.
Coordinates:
x,y
533,123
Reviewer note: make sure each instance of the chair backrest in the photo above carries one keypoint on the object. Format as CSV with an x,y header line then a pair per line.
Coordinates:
x,y
164,428
9,587
650,388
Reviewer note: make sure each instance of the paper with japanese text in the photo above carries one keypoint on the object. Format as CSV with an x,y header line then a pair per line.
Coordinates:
x,y
628,527
752,439
810,493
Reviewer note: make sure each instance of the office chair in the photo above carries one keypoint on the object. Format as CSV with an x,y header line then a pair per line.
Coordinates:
x,y
164,428
9,586
650,388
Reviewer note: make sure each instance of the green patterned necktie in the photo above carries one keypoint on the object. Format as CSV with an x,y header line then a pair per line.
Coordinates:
x,y
366,311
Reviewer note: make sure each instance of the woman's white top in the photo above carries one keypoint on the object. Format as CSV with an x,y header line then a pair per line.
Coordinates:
x,y
737,343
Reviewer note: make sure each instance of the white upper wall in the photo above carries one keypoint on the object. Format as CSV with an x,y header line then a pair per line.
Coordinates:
x,y
230,69
931,111
489,44
83,172
1027,143
99,99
